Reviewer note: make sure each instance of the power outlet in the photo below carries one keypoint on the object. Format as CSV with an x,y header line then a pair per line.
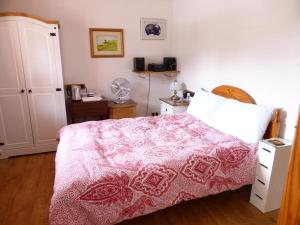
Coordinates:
x,y
154,113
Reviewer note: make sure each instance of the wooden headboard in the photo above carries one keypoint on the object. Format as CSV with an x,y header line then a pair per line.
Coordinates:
x,y
242,96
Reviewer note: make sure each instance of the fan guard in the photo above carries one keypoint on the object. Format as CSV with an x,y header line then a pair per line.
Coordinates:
x,y
120,87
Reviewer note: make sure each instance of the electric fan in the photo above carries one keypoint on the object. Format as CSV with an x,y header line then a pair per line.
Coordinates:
x,y
120,87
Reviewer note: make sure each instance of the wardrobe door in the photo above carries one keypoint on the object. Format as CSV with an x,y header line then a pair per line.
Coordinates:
x,y
15,128
43,78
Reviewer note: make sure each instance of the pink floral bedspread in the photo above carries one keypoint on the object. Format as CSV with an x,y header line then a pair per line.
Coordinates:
x,y
113,170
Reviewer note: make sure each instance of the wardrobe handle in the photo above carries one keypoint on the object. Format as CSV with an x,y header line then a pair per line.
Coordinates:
x,y
30,91
22,91
2,143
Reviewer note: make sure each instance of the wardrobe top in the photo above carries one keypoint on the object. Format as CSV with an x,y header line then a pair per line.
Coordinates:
x,y
2,14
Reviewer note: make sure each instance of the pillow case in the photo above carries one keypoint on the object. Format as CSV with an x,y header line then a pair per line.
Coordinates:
x,y
245,121
203,106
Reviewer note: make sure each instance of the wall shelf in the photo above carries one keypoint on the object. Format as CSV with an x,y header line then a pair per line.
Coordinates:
x,y
167,72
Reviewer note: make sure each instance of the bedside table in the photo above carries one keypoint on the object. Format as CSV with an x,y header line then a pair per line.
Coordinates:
x,y
86,110
271,171
167,106
119,111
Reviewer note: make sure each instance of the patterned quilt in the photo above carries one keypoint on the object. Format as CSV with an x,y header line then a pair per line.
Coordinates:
x,y
113,170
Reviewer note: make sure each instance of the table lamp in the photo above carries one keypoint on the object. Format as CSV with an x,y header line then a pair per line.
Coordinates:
x,y
175,86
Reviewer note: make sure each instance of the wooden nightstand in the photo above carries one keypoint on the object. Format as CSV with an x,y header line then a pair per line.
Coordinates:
x,y
86,110
119,111
169,107
271,171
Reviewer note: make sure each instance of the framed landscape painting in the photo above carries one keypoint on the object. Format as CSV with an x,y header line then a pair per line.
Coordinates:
x,y
106,42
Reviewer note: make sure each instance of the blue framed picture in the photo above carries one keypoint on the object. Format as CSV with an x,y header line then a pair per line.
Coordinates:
x,y
153,29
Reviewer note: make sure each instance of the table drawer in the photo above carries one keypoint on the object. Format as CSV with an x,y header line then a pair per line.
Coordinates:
x,y
266,155
179,109
125,112
166,109
89,108
257,200
261,186
263,171
86,110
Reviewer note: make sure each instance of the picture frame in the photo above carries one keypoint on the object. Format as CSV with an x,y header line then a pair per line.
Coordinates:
x,y
153,29
106,42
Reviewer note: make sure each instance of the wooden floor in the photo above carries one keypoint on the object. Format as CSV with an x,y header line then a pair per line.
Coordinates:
x,y
26,187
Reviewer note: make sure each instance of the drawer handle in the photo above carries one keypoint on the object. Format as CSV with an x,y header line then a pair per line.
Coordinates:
x,y
263,183
258,197
267,150
263,166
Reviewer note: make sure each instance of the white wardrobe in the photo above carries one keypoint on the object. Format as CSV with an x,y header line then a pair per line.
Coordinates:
x,y
32,105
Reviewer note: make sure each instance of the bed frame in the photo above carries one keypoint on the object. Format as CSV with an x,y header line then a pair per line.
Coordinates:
x,y
242,96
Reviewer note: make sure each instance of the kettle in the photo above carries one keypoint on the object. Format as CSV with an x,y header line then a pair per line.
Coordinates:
x,y
76,92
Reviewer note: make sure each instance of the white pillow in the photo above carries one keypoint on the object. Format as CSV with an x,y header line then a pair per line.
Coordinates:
x,y
203,106
245,121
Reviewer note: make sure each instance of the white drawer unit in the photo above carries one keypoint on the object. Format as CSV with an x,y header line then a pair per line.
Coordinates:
x,y
271,171
169,107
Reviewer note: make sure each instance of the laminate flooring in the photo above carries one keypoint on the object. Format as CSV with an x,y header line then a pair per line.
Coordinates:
x,y
26,184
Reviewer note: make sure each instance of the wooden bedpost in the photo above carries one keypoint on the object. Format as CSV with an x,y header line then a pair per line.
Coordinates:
x,y
274,125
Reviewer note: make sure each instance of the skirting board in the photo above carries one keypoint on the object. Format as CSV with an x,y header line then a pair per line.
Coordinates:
x,y
4,154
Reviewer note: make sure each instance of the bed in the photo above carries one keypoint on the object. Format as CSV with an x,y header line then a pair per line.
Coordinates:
x,y
113,170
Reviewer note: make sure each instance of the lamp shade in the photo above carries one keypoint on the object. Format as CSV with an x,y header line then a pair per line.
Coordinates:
x,y
175,86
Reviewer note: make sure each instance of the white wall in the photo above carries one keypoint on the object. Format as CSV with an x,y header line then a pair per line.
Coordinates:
x,y
254,45
77,16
